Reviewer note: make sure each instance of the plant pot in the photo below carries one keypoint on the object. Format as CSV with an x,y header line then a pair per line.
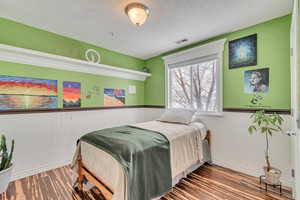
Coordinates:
x,y
273,175
5,176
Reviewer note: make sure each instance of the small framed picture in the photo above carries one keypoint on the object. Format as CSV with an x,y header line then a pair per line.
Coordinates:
x,y
256,81
71,94
114,97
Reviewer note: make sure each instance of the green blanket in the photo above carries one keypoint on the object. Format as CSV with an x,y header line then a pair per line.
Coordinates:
x,y
144,154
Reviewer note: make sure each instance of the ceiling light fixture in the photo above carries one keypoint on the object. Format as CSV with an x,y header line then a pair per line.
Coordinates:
x,y
137,13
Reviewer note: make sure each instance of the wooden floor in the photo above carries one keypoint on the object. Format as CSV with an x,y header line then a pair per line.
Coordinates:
x,y
206,183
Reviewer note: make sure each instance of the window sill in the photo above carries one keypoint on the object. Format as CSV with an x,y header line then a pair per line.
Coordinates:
x,y
211,114
208,114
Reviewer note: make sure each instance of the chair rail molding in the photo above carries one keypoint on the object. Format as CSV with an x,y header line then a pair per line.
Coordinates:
x,y
31,57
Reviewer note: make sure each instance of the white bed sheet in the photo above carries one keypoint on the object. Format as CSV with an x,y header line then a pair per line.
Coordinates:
x,y
185,146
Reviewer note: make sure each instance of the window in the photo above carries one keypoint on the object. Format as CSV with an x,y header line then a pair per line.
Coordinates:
x,y
194,79
194,87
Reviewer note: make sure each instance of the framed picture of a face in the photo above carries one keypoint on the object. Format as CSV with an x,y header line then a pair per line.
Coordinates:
x,y
256,81
243,52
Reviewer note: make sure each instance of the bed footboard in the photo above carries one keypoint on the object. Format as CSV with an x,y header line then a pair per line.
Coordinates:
x,y
85,175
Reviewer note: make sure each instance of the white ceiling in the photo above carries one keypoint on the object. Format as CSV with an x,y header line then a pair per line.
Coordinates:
x,y
94,21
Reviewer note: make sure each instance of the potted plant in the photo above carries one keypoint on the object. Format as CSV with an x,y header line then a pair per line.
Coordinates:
x,y
5,163
267,124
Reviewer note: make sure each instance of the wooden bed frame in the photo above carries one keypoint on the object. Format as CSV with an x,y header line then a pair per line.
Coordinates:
x,y
85,175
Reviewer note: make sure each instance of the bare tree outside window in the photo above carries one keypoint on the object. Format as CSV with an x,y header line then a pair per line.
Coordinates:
x,y
194,87
181,87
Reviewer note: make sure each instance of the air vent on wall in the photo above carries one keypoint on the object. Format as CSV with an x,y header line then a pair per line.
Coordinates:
x,y
182,41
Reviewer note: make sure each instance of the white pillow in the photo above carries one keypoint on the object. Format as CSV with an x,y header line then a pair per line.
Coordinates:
x,y
177,115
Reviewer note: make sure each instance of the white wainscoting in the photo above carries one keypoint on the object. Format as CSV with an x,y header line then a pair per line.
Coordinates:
x,y
233,148
47,140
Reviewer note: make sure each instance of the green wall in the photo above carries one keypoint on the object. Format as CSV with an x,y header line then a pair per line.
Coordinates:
x,y
273,52
20,35
88,82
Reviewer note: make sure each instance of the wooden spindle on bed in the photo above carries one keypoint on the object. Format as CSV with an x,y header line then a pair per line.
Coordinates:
x,y
85,174
208,137
80,175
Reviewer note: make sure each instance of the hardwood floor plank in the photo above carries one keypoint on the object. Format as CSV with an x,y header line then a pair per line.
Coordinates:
x,y
206,183
233,180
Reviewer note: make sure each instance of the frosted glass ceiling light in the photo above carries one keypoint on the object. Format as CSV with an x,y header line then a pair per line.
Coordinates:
x,y
137,13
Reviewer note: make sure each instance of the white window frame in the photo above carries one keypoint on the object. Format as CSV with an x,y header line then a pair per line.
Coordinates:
x,y
213,50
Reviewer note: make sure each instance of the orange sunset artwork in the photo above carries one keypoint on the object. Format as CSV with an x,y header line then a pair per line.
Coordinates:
x,y
27,93
72,94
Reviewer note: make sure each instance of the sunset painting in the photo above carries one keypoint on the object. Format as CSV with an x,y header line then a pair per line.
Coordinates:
x,y
114,97
71,94
27,93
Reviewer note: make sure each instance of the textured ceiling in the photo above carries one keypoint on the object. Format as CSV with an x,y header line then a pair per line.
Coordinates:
x,y
104,23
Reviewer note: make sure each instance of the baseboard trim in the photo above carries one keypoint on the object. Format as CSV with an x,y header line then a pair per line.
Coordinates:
x,y
286,181
22,174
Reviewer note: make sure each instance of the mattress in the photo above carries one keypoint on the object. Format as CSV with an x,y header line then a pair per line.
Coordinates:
x,y
186,148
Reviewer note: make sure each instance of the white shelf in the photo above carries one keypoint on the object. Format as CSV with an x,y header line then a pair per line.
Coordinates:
x,y
41,59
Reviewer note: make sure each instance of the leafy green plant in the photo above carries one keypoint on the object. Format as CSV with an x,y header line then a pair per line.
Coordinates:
x,y
267,124
6,158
